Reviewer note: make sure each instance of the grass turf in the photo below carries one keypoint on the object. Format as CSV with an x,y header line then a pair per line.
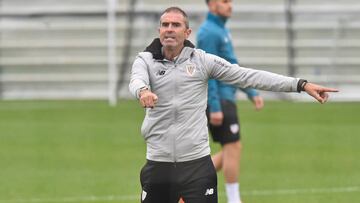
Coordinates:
x,y
86,151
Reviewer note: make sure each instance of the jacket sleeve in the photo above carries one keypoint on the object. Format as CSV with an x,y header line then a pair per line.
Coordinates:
x,y
139,77
250,92
209,42
213,96
241,77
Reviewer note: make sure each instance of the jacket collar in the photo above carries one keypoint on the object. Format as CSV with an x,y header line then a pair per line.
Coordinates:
x,y
155,48
216,19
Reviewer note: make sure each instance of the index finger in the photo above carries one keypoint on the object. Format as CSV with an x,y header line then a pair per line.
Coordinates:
x,y
325,89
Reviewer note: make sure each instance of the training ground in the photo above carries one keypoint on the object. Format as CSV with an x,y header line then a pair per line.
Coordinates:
x,y
86,151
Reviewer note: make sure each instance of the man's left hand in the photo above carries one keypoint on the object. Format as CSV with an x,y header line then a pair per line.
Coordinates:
x,y
318,92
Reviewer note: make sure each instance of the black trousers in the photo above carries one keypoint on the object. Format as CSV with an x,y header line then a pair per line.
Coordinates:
x,y
164,182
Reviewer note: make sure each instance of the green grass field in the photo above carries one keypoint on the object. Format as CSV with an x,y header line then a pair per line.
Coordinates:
x,y
86,151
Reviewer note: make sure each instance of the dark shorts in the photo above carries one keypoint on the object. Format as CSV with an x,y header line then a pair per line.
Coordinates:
x,y
229,131
163,182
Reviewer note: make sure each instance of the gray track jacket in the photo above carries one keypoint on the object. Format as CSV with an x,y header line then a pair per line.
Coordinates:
x,y
175,130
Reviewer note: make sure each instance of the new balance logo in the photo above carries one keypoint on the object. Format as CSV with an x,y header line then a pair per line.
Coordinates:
x,y
209,191
161,72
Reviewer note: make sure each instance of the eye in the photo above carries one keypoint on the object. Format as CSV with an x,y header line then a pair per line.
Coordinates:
x,y
164,24
177,25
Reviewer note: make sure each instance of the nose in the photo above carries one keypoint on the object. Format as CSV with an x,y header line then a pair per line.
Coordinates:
x,y
170,28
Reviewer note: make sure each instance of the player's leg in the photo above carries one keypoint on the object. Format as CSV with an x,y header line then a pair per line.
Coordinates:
x,y
231,151
231,162
217,160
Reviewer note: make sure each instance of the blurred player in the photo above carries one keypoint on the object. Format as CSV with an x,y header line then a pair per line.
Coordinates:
x,y
214,38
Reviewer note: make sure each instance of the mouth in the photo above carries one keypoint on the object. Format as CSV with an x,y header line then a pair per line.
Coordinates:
x,y
169,38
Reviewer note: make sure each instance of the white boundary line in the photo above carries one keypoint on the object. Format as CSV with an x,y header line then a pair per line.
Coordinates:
x,y
301,191
111,198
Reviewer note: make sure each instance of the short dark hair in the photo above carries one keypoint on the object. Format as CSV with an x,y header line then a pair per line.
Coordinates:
x,y
179,10
207,1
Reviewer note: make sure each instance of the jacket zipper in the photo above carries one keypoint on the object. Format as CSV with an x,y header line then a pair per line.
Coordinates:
x,y
175,110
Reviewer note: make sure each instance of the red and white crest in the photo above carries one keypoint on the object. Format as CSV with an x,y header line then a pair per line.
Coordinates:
x,y
190,69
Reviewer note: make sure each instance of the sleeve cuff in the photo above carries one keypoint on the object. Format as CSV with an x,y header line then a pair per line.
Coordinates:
x,y
301,84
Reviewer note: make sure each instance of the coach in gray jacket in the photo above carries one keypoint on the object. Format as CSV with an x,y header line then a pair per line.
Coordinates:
x,y
170,79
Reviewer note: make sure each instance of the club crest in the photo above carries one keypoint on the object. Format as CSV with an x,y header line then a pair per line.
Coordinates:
x,y
234,128
190,69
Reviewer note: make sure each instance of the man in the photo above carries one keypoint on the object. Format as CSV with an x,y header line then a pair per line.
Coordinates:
x,y
170,79
222,113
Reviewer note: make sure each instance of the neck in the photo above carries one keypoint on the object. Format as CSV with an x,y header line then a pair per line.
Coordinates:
x,y
170,53
224,18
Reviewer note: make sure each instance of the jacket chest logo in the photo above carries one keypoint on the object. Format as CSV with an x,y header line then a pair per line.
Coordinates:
x,y
190,69
161,72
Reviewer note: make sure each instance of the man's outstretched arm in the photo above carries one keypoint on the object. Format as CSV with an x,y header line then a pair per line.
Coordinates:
x,y
245,77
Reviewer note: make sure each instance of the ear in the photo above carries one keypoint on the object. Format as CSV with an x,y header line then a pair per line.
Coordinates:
x,y
187,32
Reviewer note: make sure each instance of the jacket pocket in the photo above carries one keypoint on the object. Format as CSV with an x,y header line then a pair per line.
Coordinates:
x,y
145,126
151,126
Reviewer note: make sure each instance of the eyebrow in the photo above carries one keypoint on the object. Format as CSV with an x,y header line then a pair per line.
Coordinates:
x,y
173,23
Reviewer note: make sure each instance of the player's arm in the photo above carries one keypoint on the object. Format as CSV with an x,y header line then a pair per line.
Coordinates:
x,y
254,96
215,112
